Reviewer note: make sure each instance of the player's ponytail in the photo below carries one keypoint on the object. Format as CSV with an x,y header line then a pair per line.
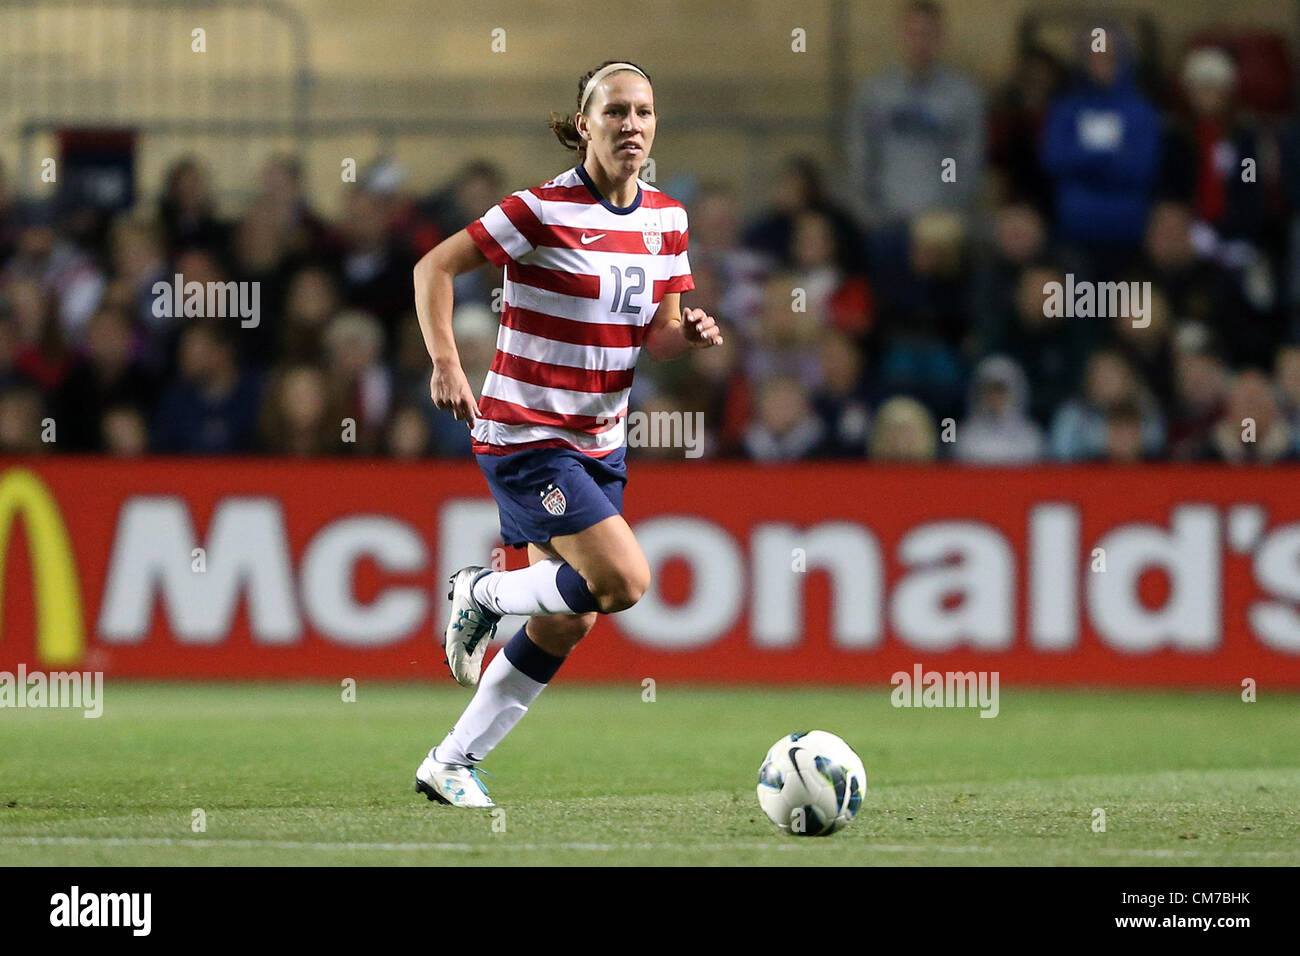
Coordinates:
x,y
565,127
566,131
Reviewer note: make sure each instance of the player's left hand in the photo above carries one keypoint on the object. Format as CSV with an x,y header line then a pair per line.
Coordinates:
x,y
700,329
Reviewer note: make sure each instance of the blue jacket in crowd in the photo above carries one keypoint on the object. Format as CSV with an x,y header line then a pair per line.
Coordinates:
x,y
1101,146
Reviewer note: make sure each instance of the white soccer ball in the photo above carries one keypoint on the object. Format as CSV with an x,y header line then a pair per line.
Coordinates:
x,y
811,783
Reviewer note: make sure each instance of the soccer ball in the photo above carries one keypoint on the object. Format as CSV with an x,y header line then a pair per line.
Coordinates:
x,y
811,783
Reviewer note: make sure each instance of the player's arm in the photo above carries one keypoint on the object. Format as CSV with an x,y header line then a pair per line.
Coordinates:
x,y
672,333
433,305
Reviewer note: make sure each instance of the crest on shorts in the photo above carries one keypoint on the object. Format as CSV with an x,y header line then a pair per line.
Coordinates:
x,y
653,239
553,500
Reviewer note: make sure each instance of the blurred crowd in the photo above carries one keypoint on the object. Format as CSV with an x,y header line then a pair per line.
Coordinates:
x,y
900,316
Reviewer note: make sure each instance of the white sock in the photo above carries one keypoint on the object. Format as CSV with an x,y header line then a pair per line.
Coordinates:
x,y
530,590
503,696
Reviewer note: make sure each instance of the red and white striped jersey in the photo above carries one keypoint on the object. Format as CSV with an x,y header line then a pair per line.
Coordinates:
x,y
583,279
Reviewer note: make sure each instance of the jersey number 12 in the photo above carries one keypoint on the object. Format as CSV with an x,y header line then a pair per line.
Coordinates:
x,y
636,285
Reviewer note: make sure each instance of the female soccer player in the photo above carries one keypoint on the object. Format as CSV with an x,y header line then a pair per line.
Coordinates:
x,y
595,264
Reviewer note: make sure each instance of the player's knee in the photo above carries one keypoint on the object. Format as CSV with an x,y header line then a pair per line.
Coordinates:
x,y
580,626
618,591
558,634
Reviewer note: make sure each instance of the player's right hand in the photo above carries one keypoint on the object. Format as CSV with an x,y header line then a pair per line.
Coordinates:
x,y
451,392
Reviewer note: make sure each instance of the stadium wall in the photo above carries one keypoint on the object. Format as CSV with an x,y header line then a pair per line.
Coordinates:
x,y
554,36
1141,576
438,62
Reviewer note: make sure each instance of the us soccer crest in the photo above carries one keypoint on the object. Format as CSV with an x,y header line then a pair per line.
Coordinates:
x,y
653,239
553,500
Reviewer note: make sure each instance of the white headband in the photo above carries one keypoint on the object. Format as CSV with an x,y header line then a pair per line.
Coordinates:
x,y
600,75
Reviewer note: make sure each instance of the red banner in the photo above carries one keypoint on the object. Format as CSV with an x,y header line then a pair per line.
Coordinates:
x,y
829,573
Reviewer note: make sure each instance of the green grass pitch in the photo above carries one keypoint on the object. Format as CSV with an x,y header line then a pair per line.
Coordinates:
x,y
291,774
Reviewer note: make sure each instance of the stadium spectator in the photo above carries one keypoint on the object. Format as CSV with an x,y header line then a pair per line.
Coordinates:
x,y
263,251
187,211
27,308
359,383
408,226
1205,146
296,418
1017,240
376,266
1079,427
945,293
785,428
139,262
1200,391
106,375
924,316
1288,142
69,276
1253,429
9,373
903,431
787,336
716,248
1147,346
43,354
162,328
9,218
212,407
998,430
475,189
1203,280
21,411
799,189
408,434
1049,348
262,255
283,201
1124,443
312,300
841,401
663,438
124,433
1016,122
841,300
1101,147
410,367
911,118
1286,377
717,386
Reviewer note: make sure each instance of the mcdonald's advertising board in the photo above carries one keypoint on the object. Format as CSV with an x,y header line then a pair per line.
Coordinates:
x,y
211,569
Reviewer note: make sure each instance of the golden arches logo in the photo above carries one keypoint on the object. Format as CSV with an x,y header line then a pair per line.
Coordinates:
x,y
60,628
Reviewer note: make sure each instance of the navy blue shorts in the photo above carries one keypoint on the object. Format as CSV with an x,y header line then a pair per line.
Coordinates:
x,y
545,492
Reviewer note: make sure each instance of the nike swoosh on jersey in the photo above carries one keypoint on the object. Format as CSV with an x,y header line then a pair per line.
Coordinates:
x,y
586,238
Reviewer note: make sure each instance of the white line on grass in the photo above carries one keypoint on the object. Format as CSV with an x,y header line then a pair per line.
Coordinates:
x,y
353,845
591,847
